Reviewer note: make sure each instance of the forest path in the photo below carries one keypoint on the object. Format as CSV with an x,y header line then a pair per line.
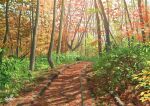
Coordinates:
x,y
70,88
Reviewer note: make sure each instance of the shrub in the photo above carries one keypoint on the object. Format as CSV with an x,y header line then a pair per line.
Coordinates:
x,y
117,67
13,74
143,85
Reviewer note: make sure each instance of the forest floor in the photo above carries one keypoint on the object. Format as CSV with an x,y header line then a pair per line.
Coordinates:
x,y
69,88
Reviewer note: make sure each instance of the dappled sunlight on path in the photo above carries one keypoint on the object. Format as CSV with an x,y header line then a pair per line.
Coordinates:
x,y
66,89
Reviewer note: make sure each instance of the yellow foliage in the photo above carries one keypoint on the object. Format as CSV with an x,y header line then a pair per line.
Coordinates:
x,y
144,82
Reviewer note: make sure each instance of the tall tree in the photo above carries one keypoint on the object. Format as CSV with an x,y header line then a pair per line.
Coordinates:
x,y
7,23
141,20
32,19
146,10
60,29
147,17
6,31
80,36
50,60
34,38
98,30
18,34
129,19
127,11
106,26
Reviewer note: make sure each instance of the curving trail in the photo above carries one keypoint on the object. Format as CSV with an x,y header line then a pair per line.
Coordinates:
x,y
69,89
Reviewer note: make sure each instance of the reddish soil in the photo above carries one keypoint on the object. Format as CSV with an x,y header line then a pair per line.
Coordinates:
x,y
68,89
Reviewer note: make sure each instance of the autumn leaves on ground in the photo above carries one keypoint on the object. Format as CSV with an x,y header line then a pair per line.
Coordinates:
x,y
75,52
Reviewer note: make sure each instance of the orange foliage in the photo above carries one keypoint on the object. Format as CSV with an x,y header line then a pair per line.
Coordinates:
x,y
139,37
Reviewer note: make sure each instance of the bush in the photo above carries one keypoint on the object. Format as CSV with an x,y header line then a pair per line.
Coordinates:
x,y
13,74
143,85
117,67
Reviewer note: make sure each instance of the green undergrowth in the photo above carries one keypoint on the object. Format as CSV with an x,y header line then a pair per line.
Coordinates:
x,y
13,74
123,66
64,58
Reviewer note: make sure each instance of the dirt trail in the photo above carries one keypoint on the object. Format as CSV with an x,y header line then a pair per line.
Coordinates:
x,y
69,89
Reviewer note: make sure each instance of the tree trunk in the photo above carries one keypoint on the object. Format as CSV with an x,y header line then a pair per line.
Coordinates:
x,y
98,31
34,40
126,8
7,23
50,60
147,17
106,26
80,38
60,30
129,41
32,20
6,31
129,19
141,20
18,35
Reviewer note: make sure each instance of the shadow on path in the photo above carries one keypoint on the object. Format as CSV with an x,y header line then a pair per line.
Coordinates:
x,y
66,89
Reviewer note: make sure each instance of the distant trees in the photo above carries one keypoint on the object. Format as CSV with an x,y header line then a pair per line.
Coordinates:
x,y
97,22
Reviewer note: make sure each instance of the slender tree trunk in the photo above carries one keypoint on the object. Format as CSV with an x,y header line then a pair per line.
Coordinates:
x,y
129,19
32,20
85,44
60,30
106,26
7,23
134,26
34,40
147,17
141,20
81,36
127,11
146,9
129,41
98,31
11,52
76,31
6,31
50,60
18,35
